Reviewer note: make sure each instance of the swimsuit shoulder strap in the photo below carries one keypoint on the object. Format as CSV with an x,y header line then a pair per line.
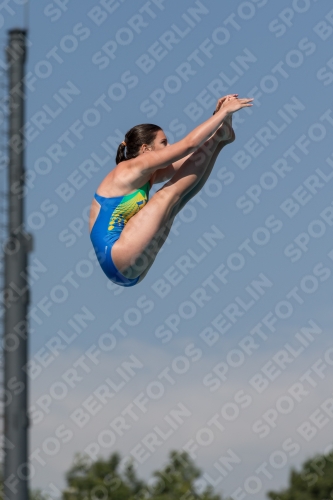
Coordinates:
x,y
99,198
145,188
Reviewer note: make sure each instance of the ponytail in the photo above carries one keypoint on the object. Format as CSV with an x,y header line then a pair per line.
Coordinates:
x,y
120,153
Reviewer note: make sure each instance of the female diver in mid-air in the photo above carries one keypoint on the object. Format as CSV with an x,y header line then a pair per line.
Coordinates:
x,y
127,231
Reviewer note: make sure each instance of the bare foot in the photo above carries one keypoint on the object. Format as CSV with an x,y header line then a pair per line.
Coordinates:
x,y
228,133
225,132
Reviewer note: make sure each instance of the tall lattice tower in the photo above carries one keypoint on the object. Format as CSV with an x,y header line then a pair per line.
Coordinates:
x,y
16,292
3,236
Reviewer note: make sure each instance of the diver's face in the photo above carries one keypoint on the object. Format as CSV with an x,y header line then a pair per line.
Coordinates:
x,y
160,141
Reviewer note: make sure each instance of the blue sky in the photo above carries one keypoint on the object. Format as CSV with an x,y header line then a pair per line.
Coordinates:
x,y
256,241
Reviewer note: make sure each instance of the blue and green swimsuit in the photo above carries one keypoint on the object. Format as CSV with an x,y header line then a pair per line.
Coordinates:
x,y
113,215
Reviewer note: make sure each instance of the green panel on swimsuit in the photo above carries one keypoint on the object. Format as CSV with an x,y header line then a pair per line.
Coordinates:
x,y
129,205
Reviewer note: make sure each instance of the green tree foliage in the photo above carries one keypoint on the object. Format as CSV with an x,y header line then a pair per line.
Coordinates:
x,y
177,481
103,480
313,482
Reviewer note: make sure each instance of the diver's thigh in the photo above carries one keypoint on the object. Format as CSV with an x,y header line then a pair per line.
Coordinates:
x,y
143,234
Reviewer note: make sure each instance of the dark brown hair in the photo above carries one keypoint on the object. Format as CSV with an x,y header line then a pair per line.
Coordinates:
x,y
134,138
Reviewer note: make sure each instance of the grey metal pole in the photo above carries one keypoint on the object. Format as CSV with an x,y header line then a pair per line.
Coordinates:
x,y
16,293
